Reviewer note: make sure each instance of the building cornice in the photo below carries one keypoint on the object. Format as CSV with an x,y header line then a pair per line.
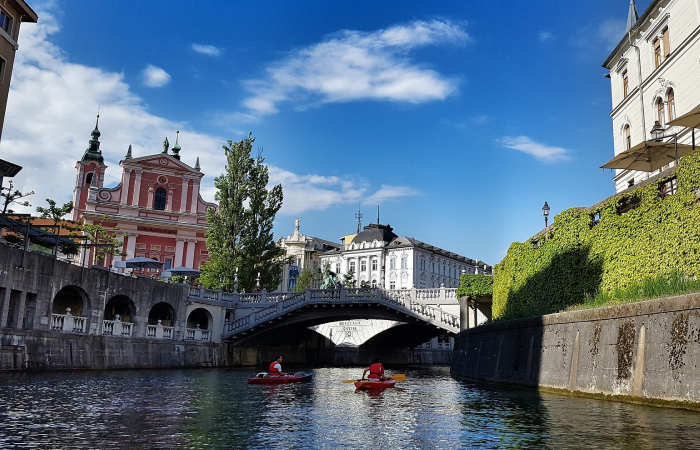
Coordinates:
x,y
111,217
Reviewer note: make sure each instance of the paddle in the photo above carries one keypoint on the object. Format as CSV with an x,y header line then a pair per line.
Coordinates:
x,y
397,377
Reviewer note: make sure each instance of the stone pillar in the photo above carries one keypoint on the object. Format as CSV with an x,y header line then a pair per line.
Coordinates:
x,y
126,176
195,196
149,203
137,188
5,304
463,313
169,200
179,250
131,246
183,196
189,262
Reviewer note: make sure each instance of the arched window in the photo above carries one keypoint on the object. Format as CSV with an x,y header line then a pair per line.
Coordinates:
x,y
660,116
159,199
671,102
628,138
88,179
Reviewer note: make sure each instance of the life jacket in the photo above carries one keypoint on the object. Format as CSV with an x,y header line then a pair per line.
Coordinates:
x,y
376,371
273,370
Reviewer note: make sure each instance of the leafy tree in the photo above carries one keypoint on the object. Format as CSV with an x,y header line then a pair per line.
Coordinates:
x,y
349,279
57,214
107,242
13,196
240,230
305,280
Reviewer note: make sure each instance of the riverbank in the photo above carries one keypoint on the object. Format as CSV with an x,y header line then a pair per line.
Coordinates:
x,y
646,352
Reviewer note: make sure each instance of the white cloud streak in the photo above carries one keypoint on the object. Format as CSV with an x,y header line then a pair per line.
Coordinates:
x,y
51,112
354,65
208,50
155,76
542,152
544,36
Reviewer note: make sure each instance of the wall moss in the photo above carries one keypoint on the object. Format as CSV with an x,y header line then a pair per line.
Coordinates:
x,y
473,286
600,249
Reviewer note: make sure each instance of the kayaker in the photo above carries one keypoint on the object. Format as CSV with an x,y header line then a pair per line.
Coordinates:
x,y
276,368
376,371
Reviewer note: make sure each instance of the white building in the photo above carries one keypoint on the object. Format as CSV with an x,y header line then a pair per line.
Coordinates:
x,y
378,257
660,53
304,252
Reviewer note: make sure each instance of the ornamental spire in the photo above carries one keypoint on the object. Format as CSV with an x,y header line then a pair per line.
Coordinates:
x,y
632,16
196,165
93,153
176,147
128,153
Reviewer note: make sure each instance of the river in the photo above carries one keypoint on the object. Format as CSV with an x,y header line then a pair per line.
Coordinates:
x,y
218,409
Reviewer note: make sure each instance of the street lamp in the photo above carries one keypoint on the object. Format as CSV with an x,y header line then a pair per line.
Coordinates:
x,y
545,213
657,132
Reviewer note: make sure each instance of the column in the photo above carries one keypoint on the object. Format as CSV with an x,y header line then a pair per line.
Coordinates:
x,y
169,200
183,196
126,176
189,262
137,187
195,196
5,303
131,246
149,203
179,248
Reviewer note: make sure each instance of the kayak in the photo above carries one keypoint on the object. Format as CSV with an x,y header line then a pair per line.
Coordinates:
x,y
263,378
369,384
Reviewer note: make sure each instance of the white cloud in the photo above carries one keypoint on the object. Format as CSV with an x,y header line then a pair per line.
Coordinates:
x,y
387,193
51,112
155,76
541,152
354,65
611,33
545,36
208,50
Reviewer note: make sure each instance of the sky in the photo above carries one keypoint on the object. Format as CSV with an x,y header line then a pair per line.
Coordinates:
x,y
459,119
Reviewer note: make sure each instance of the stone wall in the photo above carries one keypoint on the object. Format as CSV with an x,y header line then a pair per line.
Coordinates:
x,y
646,352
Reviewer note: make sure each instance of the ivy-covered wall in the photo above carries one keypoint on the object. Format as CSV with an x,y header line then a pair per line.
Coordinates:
x,y
601,250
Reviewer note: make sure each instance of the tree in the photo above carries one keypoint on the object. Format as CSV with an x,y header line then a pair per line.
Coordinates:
x,y
57,214
105,240
305,280
349,279
240,230
13,197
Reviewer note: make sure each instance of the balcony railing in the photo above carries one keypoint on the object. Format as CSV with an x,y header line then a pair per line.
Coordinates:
x,y
68,323
159,331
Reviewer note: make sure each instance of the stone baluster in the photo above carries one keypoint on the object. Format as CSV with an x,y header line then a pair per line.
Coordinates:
x,y
68,322
159,330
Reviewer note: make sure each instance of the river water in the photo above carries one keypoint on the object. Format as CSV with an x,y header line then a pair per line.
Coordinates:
x,y
218,409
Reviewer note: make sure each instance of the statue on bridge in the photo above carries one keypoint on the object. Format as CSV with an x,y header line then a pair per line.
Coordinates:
x,y
329,279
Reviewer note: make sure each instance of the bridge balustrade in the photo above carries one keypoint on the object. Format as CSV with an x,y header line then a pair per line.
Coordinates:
x,y
360,293
68,323
159,331
197,334
117,328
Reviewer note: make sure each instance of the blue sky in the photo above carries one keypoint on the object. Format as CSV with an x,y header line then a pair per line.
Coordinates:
x,y
460,119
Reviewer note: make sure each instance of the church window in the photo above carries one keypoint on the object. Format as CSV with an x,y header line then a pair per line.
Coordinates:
x,y
628,137
374,264
392,263
159,199
404,262
625,84
88,179
363,265
671,102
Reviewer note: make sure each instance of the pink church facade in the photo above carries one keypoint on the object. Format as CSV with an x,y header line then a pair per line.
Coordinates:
x,y
156,209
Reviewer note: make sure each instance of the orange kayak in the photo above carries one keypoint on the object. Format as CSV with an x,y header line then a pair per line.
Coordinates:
x,y
371,384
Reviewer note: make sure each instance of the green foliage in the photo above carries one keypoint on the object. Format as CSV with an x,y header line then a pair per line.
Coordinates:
x,y
240,234
349,279
96,233
53,212
472,286
305,280
580,258
13,196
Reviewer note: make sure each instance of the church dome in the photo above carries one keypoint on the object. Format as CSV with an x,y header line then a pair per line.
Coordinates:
x,y
375,232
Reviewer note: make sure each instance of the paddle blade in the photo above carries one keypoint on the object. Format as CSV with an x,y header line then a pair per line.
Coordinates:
x,y
350,381
399,377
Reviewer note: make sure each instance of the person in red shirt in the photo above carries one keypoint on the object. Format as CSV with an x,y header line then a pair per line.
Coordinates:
x,y
376,370
276,368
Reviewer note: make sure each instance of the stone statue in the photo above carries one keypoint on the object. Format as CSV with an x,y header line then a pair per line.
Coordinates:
x,y
296,225
166,145
330,279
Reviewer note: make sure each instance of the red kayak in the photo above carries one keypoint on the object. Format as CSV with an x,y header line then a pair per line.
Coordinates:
x,y
371,384
263,378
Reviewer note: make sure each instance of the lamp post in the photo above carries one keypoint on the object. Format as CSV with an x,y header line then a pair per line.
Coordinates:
x,y
545,213
658,134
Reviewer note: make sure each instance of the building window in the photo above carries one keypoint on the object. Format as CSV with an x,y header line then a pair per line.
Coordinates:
x,y
88,179
625,85
374,283
667,43
363,265
141,247
668,188
6,21
657,53
352,266
168,263
433,267
374,264
337,267
392,263
3,64
155,248
392,285
671,103
404,262
660,112
159,199
628,137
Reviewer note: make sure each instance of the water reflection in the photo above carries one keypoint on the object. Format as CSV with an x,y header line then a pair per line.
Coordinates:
x,y
217,409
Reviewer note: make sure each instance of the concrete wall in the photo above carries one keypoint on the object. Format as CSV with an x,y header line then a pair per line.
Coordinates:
x,y
646,352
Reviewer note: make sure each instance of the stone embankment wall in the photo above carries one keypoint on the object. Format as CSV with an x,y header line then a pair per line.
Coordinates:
x,y
646,352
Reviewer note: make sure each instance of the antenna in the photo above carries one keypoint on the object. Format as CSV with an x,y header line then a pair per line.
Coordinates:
x,y
377,214
358,216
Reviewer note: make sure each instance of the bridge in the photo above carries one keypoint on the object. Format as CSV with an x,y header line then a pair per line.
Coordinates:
x,y
271,318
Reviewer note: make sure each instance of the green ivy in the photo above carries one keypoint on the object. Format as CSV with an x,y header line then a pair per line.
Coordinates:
x,y
474,286
578,258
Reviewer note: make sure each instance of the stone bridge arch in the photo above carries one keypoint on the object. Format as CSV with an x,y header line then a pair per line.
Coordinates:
x,y
120,305
71,297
